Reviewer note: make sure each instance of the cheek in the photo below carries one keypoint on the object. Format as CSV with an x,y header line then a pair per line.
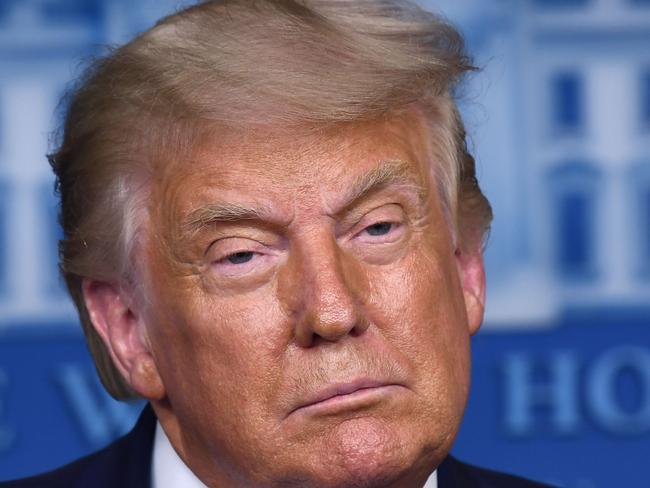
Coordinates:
x,y
210,346
418,307
420,294
221,366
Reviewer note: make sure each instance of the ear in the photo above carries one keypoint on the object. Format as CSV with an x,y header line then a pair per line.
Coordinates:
x,y
116,320
472,280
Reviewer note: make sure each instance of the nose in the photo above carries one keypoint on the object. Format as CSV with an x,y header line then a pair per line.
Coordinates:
x,y
328,286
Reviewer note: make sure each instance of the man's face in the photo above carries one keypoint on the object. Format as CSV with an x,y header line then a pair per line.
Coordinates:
x,y
305,310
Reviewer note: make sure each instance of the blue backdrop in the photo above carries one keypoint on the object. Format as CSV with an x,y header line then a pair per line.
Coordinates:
x,y
559,120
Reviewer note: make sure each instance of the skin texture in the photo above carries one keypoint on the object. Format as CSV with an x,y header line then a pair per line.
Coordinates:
x,y
271,285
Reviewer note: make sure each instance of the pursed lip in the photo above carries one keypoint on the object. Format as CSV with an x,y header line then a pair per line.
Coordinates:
x,y
344,390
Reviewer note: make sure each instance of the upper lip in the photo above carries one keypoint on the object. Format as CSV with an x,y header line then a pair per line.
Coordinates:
x,y
341,388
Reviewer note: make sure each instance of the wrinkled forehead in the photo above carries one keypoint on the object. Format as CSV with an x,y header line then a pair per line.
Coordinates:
x,y
292,184
273,164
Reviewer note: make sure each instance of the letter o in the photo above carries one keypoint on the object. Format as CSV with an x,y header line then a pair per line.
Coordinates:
x,y
601,397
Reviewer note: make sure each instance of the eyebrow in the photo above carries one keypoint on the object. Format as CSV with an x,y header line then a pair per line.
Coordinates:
x,y
389,173
222,212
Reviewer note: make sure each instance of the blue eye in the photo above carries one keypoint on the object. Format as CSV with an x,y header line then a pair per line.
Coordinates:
x,y
379,229
240,257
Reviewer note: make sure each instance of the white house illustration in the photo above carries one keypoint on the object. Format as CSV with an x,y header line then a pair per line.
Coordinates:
x,y
42,45
560,119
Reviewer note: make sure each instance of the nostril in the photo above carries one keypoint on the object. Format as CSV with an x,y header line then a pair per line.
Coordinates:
x,y
331,324
358,330
361,324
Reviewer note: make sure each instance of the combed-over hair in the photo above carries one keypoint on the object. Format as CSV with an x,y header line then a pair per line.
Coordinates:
x,y
240,64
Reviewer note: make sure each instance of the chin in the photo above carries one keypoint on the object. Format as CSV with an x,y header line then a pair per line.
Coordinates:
x,y
364,452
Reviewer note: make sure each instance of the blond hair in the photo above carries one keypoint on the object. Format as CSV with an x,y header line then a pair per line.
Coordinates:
x,y
238,64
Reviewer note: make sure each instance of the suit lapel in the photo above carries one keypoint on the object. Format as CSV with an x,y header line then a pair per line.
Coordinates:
x,y
127,463
452,475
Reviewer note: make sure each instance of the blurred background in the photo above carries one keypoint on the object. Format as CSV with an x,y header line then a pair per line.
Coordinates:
x,y
559,121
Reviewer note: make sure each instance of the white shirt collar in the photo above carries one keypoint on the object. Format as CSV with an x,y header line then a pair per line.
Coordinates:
x,y
432,482
169,470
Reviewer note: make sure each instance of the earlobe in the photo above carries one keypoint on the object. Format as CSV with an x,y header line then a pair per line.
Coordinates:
x,y
122,331
471,271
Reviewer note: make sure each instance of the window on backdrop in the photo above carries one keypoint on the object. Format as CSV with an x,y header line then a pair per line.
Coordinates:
x,y
85,11
574,187
567,103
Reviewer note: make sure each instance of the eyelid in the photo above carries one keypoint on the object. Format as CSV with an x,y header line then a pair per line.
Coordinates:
x,y
252,245
221,268
260,237
390,214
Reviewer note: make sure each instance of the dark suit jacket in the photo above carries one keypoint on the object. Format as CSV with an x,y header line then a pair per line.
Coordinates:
x,y
127,464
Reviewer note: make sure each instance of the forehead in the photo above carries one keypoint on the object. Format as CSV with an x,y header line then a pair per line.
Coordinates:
x,y
284,168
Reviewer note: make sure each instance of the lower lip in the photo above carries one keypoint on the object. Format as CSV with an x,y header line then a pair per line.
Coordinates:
x,y
357,400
